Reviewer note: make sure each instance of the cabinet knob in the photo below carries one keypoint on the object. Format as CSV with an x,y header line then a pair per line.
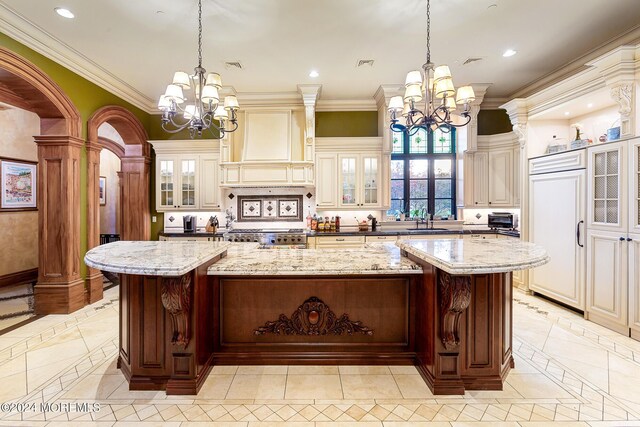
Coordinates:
x,y
476,203
489,202
622,239
629,239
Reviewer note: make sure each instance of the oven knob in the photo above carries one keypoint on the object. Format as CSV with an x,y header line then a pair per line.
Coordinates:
x,y
299,239
255,240
273,241
279,239
285,239
235,240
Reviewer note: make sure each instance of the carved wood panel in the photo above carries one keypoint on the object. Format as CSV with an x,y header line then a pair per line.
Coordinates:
x,y
176,299
313,317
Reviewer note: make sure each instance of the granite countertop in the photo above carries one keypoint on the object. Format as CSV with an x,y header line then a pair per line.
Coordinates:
x,y
409,232
153,258
462,256
379,258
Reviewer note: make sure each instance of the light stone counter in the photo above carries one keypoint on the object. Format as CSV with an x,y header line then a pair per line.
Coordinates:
x,y
153,258
244,259
475,256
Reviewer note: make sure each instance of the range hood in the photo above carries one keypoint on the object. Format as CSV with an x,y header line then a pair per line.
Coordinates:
x,y
271,151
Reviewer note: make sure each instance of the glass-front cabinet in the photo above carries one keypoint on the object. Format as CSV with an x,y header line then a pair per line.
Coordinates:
x,y
177,182
359,184
607,187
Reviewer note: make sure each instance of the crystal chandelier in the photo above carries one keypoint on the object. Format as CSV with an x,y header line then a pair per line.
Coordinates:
x,y
206,108
434,85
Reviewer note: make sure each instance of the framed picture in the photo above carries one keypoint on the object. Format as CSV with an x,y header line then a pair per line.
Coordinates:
x,y
102,190
18,184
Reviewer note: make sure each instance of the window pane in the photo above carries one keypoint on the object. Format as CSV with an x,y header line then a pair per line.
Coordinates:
x,y
398,146
442,168
443,188
418,205
441,142
442,208
419,168
397,189
397,169
418,142
418,189
397,207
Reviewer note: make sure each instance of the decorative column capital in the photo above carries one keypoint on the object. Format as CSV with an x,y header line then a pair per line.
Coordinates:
x,y
519,116
310,95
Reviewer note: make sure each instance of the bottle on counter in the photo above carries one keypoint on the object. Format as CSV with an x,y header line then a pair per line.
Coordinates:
x,y
309,220
337,223
321,225
314,223
332,225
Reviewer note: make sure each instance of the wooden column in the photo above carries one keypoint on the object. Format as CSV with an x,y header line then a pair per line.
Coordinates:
x,y
94,276
60,289
134,198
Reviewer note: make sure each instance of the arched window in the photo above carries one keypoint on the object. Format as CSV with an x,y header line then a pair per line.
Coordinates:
x,y
423,173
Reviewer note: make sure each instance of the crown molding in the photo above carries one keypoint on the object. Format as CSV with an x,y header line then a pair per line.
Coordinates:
x,y
22,30
492,103
346,105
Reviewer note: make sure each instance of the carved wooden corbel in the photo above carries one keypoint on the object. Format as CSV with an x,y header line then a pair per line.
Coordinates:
x,y
455,296
176,299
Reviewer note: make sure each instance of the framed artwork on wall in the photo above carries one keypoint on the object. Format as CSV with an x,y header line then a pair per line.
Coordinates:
x,y
18,184
102,190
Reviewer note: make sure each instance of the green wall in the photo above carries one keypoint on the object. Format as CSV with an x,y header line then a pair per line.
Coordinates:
x,y
491,122
347,123
87,98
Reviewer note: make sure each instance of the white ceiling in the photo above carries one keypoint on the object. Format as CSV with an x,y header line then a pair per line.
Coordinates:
x,y
278,42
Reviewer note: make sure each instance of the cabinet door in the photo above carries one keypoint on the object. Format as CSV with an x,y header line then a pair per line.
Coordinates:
x,y
188,191
326,180
517,179
556,207
348,187
500,177
634,284
210,194
634,187
607,287
166,183
370,181
481,179
607,202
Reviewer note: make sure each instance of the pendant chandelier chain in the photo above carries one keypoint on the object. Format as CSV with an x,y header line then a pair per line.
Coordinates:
x,y
428,31
200,33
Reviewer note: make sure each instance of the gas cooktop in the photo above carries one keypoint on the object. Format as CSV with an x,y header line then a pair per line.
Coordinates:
x,y
266,230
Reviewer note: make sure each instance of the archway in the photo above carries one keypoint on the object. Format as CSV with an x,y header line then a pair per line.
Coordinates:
x,y
59,288
134,181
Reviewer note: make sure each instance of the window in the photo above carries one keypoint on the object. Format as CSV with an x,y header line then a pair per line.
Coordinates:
x,y
423,173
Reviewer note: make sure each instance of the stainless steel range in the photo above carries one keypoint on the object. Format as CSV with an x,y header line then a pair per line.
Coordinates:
x,y
269,238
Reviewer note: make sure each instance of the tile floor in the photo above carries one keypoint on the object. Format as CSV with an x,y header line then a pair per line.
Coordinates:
x,y
569,372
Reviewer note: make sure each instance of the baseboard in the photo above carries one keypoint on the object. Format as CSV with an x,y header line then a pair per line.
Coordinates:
x,y
19,278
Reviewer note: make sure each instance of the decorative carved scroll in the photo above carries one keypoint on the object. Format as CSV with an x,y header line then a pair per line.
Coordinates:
x,y
455,296
176,299
313,317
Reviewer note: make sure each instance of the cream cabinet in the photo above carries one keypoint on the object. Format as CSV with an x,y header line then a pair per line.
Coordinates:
x,y
187,175
607,187
359,180
326,180
494,170
429,236
633,262
607,284
332,242
380,239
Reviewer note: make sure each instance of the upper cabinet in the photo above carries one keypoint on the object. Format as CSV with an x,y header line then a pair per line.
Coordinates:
x,y
187,181
607,187
349,173
493,170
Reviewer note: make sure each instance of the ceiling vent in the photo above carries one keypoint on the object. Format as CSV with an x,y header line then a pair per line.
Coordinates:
x,y
233,64
363,62
472,59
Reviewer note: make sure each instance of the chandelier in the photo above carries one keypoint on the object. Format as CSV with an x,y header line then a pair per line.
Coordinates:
x,y
434,86
205,109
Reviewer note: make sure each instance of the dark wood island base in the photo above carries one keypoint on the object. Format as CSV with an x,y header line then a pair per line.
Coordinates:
x,y
457,330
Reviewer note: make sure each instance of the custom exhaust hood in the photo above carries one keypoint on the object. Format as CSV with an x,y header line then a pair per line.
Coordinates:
x,y
269,150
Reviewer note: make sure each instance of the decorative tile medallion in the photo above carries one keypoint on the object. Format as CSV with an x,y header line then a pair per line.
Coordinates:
x,y
288,208
270,208
252,208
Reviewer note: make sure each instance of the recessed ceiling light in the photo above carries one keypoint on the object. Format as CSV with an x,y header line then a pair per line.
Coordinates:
x,y
509,52
589,105
566,113
314,74
65,13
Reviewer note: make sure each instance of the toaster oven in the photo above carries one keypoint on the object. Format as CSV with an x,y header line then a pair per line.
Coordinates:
x,y
502,220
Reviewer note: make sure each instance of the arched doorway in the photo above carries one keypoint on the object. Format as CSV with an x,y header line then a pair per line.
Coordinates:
x,y
134,181
59,288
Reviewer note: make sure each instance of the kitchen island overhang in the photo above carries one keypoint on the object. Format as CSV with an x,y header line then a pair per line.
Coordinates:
x,y
354,306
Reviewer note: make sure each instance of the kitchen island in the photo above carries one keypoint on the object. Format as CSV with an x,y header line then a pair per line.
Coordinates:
x,y
421,304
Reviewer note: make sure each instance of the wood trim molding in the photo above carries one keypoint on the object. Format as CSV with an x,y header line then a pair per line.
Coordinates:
x,y
127,125
19,277
111,145
19,66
